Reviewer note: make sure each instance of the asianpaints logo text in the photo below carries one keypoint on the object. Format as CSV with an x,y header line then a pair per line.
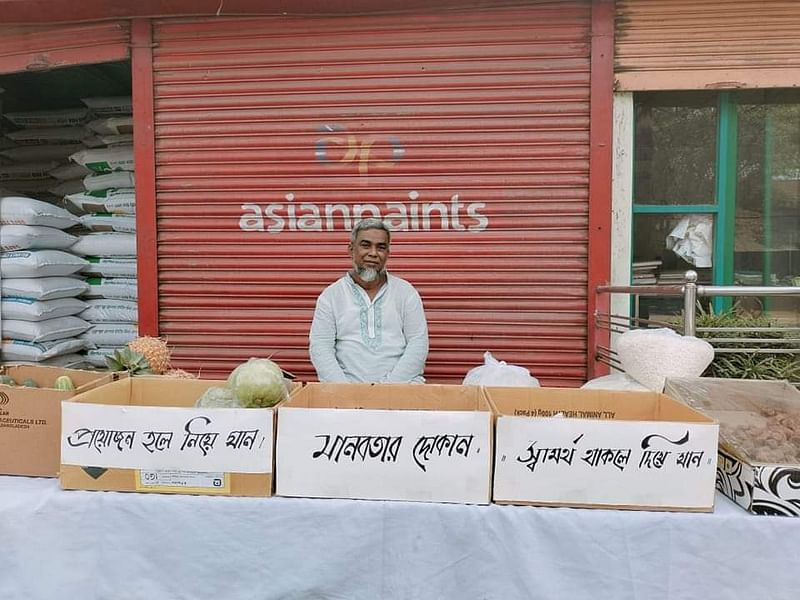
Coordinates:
x,y
413,215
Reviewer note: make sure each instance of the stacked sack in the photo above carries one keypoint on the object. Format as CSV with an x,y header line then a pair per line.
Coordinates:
x,y
106,205
35,153
40,287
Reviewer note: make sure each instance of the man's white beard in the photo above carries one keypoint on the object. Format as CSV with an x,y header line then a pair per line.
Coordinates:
x,y
368,275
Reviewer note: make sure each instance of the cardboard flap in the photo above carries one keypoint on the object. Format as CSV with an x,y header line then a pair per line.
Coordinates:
x,y
388,396
590,404
46,376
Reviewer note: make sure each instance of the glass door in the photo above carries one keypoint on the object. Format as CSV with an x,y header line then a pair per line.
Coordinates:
x,y
717,190
767,223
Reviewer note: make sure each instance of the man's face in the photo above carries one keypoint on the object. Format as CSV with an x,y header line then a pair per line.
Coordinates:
x,y
370,252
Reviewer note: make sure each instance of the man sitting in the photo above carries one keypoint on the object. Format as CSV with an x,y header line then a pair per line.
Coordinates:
x,y
369,326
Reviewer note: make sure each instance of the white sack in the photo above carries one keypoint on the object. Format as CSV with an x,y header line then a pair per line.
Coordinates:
x,y
43,288
109,222
111,267
110,200
69,171
105,160
112,125
49,136
28,170
68,361
97,356
103,181
20,210
24,237
651,355
109,310
19,350
29,187
107,106
25,309
33,154
65,117
65,188
109,334
117,140
44,331
40,263
121,288
105,244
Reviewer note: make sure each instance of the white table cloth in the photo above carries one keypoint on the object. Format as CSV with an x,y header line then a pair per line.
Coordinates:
x,y
57,544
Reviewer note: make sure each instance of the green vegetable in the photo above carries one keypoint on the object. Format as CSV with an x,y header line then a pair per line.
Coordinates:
x,y
64,383
258,383
129,360
218,397
30,383
7,380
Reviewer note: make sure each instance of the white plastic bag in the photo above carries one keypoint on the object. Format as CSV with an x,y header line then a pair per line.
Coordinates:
x,y
495,372
692,240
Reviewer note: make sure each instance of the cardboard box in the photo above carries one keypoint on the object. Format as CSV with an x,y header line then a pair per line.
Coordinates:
x,y
429,443
30,418
143,434
759,439
601,448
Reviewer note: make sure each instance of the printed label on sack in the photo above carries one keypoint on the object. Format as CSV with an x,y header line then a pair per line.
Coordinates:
x,y
170,480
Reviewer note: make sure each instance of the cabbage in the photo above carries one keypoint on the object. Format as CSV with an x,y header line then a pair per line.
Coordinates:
x,y
218,397
258,383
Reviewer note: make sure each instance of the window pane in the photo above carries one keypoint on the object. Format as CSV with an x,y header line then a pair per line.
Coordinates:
x,y
654,261
767,247
675,148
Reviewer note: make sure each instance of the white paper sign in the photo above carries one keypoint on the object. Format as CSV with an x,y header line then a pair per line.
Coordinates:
x,y
146,437
433,456
575,461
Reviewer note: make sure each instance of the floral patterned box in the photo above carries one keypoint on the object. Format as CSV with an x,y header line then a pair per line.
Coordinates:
x,y
759,439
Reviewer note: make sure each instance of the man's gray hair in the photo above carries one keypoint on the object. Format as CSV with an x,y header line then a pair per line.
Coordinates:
x,y
365,224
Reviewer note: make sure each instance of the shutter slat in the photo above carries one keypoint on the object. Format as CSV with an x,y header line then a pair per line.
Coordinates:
x,y
468,132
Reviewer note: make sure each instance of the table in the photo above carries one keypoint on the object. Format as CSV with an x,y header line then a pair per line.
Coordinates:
x,y
74,545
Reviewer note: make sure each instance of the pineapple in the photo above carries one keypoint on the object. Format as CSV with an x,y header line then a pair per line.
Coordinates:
x,y
154,350
128,360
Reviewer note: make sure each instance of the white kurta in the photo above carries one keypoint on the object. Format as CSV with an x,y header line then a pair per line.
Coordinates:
x,y
355,339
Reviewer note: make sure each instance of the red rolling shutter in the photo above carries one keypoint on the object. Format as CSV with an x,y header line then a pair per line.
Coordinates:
x,y
467,130
40,47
